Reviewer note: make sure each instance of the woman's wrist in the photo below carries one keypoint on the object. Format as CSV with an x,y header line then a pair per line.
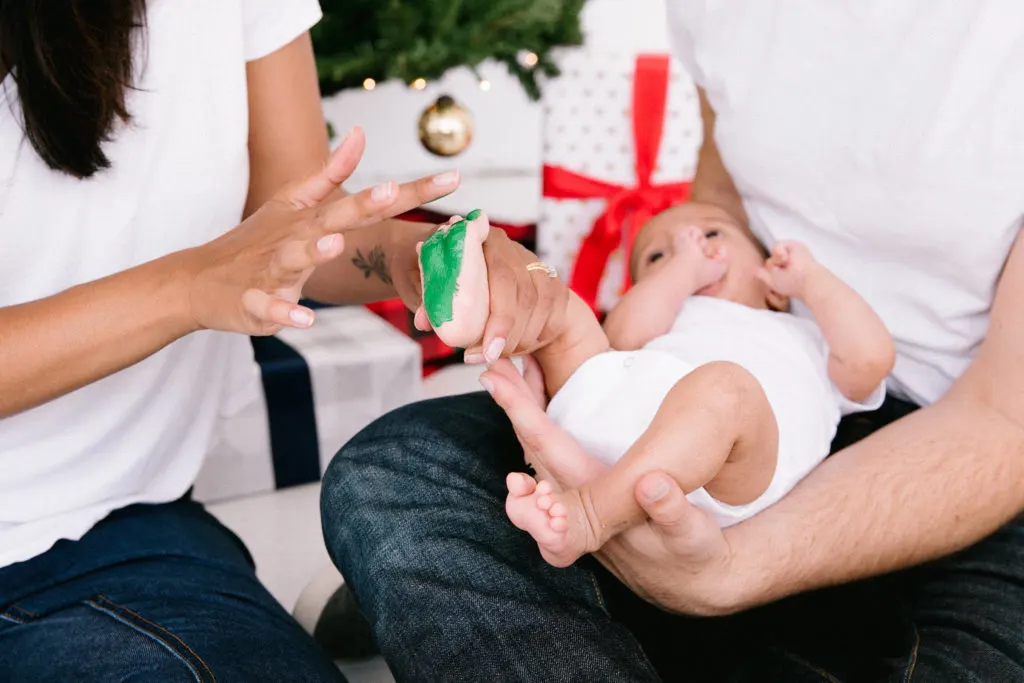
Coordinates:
x,y
174,276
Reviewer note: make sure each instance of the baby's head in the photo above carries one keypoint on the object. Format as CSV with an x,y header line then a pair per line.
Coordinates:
x,y
743,256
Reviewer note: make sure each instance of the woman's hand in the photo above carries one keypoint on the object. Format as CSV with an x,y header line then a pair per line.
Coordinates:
x,y
679,559
249,280
528,308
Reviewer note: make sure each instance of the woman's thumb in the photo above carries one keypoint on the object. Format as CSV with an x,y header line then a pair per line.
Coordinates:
x,y
317,187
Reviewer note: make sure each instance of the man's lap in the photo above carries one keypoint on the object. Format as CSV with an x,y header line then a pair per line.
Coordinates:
x,y
427,482
178,603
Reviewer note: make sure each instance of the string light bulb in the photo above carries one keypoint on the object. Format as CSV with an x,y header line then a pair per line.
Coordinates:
x,y
419,83
369,84
530,59
485,84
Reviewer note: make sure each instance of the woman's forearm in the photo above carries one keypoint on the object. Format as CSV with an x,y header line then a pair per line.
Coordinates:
x,y
925,486
55,345
365,271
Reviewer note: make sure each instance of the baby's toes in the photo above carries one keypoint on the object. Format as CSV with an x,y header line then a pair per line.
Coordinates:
x,y
520,484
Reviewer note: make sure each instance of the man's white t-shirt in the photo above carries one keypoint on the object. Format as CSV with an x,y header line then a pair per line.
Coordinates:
x,y
889,138
179,178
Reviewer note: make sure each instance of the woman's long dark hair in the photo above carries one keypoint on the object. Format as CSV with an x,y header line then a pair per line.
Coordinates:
x,y
72,62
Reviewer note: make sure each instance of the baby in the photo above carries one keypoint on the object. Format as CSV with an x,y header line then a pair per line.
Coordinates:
x,y
699,372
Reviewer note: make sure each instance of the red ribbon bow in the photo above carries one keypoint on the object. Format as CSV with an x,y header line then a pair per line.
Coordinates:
x,y
628,208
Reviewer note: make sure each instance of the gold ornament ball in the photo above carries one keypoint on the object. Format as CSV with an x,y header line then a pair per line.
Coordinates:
x,y
446,127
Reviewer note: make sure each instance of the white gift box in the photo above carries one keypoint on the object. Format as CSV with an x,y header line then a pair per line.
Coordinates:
x,y
359,368
588,129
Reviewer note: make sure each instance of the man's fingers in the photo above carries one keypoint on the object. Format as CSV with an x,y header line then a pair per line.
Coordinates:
x,y
680,524
340,165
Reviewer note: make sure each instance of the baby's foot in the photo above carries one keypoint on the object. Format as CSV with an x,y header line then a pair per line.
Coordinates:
x,y
456,298
704,261
556,520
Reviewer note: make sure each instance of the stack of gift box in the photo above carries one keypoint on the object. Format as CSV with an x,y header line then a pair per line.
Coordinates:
x,y
621,135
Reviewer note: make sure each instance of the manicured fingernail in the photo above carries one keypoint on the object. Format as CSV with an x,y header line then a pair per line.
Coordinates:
x,y
348,136
487,384
327,243
656,491
382,192
301,317
445,179
494,349
473,215
473,359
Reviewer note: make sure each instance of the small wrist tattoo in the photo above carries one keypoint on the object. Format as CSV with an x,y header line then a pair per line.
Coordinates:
x,y
373,263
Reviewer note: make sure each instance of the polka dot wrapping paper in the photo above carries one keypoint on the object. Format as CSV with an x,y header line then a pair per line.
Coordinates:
x,y
588,130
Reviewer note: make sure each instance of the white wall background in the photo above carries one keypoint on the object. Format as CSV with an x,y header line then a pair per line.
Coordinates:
x,y
501,167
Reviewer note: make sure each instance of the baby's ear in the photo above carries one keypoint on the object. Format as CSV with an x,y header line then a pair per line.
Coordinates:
x,y
777,302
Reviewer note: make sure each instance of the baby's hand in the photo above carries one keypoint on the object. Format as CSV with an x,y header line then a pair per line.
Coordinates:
x,y
787,268
702,263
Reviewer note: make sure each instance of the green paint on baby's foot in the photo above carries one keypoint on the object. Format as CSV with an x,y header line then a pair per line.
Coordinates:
x,y
441,261
473,215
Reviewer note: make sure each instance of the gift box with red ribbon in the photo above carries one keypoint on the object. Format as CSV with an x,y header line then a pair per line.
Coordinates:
x,y
621,134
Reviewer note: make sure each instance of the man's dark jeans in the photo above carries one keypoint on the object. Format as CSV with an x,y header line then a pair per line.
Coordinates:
x,y
413,513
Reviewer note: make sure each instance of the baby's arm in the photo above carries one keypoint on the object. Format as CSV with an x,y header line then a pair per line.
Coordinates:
x,y
650,307
861,351
647,310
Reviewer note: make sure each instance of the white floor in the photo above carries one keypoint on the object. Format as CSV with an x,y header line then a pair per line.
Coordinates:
x,y
282,530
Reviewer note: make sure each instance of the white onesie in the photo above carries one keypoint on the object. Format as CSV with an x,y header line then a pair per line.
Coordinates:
x,y
613,397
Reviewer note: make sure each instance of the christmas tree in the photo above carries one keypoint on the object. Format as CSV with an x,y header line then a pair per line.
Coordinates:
x,y
412,39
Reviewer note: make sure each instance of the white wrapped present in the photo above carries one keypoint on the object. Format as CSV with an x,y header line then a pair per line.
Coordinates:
x,y
319,388
621,135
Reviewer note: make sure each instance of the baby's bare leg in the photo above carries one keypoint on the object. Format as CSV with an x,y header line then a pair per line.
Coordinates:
x,y
714,429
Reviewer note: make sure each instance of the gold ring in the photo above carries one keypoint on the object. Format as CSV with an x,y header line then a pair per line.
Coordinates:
x,y
543,267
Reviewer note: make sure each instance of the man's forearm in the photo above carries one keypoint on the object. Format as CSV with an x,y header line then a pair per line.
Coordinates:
x,y
364,272
923,487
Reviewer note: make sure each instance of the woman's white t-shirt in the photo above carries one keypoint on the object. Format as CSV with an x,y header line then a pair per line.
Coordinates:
x,y
179,178
888,137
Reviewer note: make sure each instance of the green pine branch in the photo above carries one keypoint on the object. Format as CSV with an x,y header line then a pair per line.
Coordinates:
x,y
410,39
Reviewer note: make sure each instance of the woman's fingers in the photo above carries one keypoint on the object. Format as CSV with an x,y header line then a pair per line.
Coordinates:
x,y
299,256
340,165
274,311
424,190
383,201
512,295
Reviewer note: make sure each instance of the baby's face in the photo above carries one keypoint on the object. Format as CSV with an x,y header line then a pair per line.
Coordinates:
x,y
654,248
